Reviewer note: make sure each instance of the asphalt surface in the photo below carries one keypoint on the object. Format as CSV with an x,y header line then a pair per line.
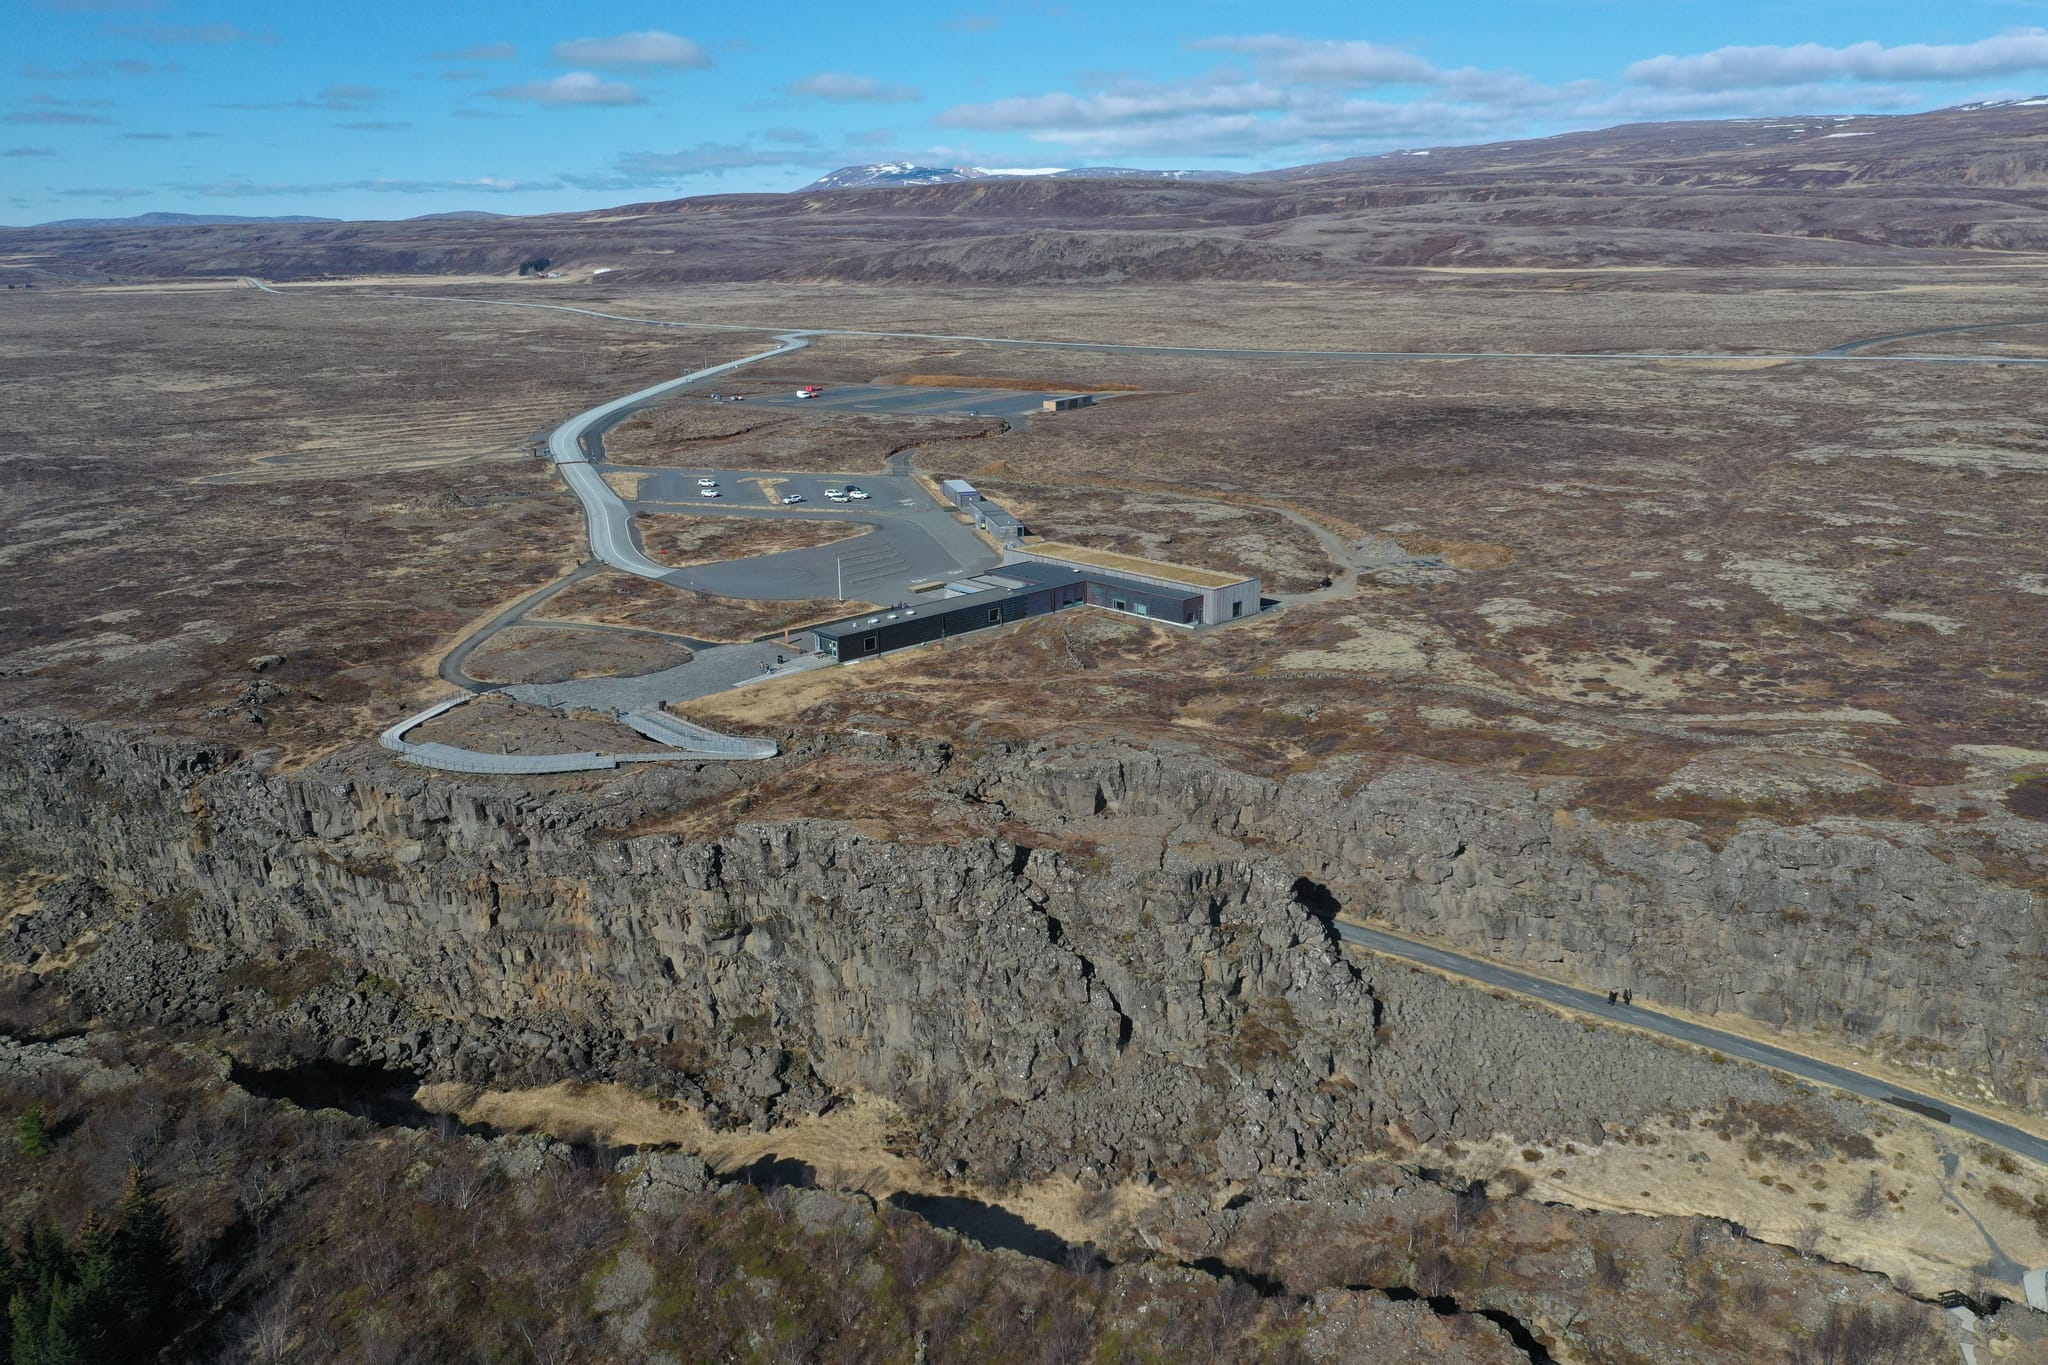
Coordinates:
x,y
1645,1016
454,667
1849,347
916,400
609,523
714,670
910,538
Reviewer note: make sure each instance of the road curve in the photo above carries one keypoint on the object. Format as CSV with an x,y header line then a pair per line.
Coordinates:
x,y
609,521
2015,1140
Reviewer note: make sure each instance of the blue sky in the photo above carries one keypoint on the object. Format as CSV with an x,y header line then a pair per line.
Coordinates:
x,y
384,110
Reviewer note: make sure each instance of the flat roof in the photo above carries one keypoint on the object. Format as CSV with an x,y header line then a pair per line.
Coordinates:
x,y
895,615
1132,564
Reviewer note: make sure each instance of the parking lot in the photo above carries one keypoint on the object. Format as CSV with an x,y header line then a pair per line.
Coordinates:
x,y
914,539
915,400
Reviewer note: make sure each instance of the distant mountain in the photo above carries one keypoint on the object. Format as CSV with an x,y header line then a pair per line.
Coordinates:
x,y
1130,173
1799,192
179,220
892,174
453,216
2006,104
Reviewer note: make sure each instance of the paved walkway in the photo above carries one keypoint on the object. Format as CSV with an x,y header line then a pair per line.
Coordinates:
x,y
718,669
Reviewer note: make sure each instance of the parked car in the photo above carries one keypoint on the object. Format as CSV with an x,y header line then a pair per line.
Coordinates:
x,y
837,495
856,493
809,391
707,483
791,499
709,493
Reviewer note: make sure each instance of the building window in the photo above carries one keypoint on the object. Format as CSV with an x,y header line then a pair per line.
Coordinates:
x,y
1237,607
870,643
995,615
1117,604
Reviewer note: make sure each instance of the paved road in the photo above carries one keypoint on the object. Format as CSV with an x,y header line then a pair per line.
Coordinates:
x,y
605,515
1837,356
1850,346
1644,1016
454,667
713,670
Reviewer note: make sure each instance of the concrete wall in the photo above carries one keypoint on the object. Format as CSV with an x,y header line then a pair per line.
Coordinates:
x,y
1225,604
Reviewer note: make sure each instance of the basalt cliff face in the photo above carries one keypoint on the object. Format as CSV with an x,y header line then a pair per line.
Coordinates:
x,y
1879,933
1170,1003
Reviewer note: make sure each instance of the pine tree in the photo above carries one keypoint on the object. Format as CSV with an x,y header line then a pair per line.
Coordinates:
x,y
32,1132
145,1287
49,1307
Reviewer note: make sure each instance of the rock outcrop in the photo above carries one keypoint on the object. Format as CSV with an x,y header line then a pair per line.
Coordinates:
x,y
1881,933
1036,1010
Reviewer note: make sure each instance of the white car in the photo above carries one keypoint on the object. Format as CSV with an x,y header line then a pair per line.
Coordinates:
x,y
707,483
709,493
835,495
791,499
857,494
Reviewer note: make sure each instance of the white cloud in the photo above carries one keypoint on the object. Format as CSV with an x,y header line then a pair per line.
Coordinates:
x,y
633,51
1725,68
838,85
573,88
1125,102
1325,61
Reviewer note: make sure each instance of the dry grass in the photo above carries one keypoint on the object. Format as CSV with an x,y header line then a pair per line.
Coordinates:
x,y
532,654
1644,553
494,723
682,539
1785,1183
856,1146
622,600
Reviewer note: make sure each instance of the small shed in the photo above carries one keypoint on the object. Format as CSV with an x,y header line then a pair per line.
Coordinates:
x,y
959,492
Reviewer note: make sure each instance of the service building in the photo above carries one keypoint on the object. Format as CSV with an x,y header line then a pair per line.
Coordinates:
x,y
1171,592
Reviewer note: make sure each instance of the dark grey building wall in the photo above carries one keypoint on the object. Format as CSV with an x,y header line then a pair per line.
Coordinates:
x,y
1164,606
892,635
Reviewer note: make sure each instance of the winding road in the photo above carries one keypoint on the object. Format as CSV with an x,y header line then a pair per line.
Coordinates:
x,y
605,514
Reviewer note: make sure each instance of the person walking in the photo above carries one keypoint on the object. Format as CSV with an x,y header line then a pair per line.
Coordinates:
x,y
1628,997
1610,997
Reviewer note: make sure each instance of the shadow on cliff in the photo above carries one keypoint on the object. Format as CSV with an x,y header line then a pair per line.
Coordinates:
x,y
380,1094
985,1223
